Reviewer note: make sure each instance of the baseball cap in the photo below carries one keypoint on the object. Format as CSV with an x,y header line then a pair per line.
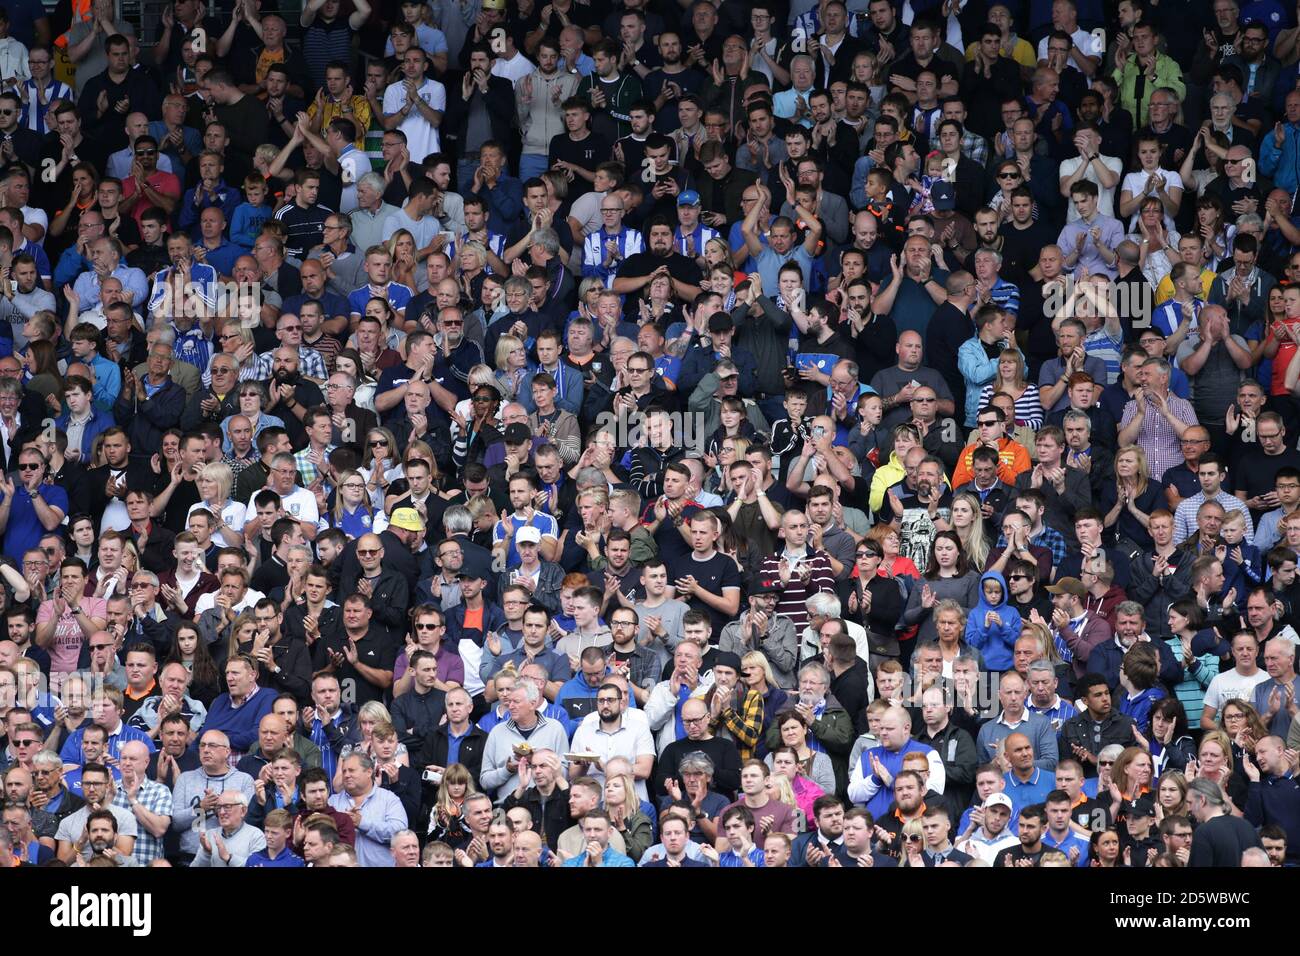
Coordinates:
x,y
727,659
688,197
1141,807
528,535
494,4
760,584
1068,586
943,196
517,433
408,519
998,800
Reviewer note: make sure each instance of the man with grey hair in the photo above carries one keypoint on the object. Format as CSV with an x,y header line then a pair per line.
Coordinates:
x,y
512,742
344,265
106,260
233,840
371,215
184,374
1155,419
1220,838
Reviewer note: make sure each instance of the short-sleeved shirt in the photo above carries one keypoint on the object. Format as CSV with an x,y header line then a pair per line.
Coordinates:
x,y
68,635
25,530
715,575
73,825
1229,685
421,137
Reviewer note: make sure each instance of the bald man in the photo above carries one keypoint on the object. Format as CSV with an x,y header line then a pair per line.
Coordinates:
x,y
195,795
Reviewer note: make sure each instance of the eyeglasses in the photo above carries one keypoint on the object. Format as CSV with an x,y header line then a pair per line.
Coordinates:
x,y
608,700
694,720
622,624
1194,441
100,647
212,746
639,370
224,369
354,485
146,152
367,552
227,806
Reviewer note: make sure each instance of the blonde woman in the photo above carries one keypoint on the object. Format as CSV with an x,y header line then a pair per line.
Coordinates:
x,y
1129,500
214,483
1214,762
353,512
1011,379
911,840
511,360
626,815
380,464
370,714
401,246
235,339
968,521
471,267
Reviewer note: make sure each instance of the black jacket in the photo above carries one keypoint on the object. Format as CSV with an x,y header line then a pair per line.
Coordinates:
x,y
145,421
501,111
550,820
434,753
416,716
397,557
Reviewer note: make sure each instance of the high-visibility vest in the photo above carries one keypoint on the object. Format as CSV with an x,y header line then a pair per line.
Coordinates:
x,y
81,12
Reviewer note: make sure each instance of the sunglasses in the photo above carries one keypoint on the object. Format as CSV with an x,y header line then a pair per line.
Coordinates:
x,y
377,444
30,466
367,552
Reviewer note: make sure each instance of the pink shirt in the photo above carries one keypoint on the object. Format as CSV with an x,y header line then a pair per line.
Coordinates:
x,y
68,636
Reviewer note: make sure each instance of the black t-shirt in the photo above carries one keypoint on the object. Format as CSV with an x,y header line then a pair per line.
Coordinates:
x,y
587,153
714,575
1257,472
376,650
679,266
1011,854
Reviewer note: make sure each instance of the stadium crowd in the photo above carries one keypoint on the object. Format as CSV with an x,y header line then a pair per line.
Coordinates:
x,y
675,434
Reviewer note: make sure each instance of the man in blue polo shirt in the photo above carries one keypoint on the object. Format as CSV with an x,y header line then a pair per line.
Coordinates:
x,y
1026,784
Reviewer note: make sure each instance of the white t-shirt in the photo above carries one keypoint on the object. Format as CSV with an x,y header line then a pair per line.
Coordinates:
x,y
233,514
1135,184
1105,197
1229,685
208,601
421,137
514,69
1082,39
299,504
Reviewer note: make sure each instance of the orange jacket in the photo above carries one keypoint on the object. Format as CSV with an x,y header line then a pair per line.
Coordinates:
x,y
1013,458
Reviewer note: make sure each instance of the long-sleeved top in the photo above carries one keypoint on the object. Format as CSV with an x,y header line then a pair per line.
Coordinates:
x,y
540,116
1185,516
241,844
1093,736
956,748
1276,801
382,816
240,723
1282,163
743,725
494,778
189,790
780,645
1135,90
964,590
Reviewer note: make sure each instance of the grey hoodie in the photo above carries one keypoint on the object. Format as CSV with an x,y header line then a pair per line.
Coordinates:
x,y
187,818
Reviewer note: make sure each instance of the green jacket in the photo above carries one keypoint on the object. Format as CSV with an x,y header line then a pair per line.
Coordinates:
x,y
834,731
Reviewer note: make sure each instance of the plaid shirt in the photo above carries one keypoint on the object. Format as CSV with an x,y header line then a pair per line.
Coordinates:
x,y
306,467
310,365
157,799
1157,437
1051,539
746,726
975,147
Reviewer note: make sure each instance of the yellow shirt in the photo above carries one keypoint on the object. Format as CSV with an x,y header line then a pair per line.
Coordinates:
x,y
360,115
1165,290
